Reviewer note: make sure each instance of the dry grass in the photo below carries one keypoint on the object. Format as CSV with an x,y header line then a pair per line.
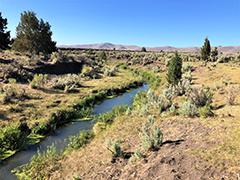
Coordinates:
x,y
217,76
44,102
222,145
95,156
211,147
210,144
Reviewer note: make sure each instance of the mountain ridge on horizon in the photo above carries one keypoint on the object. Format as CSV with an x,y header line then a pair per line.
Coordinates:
x,y
111,46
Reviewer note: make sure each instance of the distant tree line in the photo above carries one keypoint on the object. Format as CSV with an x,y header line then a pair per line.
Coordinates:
x,y
33,35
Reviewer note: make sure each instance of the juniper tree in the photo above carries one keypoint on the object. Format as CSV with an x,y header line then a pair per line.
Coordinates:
x,y
206,50
4,35
144,49
214,54
174,73
33,35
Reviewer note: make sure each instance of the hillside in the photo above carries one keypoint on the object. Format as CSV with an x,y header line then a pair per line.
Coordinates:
x,y
110,46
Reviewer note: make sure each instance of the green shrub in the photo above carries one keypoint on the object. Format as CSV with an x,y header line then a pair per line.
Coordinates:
x,y
91,72
108,117
140,103
138,154
114,147
12,93
77,177
102,55
110,71
150,135
188,109
86,70
12,81
169,92
14,137
155,83
178,90
160,103
187,76
62,116
40,166
151,78
173,110
231,95
200,96
123,66
187,68
41,129
67,82
57,57
225,58
99,127
39,80
139,99
205,111
80,140
145,102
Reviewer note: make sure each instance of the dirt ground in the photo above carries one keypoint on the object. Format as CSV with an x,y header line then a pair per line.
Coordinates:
x,y
193,148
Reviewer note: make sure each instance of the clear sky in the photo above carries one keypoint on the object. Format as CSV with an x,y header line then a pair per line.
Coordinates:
x,y
179,23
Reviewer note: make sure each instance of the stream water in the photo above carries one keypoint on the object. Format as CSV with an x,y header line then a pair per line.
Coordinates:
x,y
60,136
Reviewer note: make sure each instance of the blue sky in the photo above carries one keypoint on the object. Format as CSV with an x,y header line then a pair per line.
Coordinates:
x,y
179,23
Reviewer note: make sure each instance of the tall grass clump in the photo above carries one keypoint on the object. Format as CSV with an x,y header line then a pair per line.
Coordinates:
x,y
151,78
108,117
40,166
80,140
14,137
13,94
139,99
114,146
38,81
231,93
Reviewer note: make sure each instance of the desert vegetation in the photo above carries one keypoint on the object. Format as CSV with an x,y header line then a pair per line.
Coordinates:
x,y
180,100
186,125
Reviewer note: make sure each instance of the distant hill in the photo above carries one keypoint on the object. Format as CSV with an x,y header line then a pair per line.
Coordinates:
x,y
110,46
